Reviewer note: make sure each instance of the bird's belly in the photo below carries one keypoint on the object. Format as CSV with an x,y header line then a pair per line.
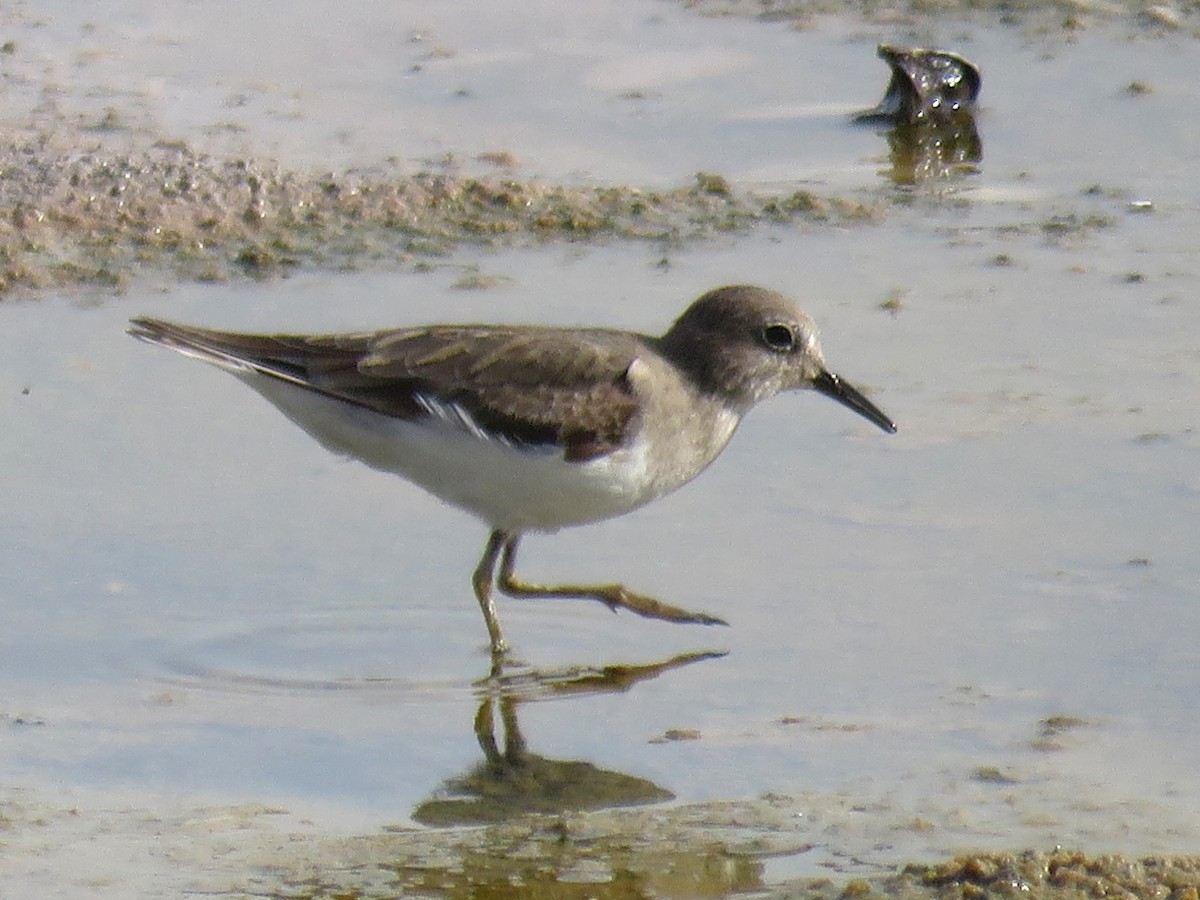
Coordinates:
x,y
509,487
516,489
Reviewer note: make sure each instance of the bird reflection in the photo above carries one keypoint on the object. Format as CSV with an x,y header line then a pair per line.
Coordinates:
x,y
511,780
929,111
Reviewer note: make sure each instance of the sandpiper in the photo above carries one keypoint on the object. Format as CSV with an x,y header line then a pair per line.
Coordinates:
x,y
534,428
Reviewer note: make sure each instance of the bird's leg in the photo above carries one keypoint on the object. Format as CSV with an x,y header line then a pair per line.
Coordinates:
x,y
485,734
614,596
482,581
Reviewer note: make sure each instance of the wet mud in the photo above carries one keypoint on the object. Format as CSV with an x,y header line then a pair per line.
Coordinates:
x,y
98,206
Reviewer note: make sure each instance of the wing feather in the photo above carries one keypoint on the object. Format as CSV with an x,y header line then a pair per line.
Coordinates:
x,y
524,385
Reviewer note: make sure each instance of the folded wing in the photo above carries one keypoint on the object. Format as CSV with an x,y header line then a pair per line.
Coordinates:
x,y
519,385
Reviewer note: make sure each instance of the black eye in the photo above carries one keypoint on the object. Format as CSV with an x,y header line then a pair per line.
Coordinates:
x,y
779,337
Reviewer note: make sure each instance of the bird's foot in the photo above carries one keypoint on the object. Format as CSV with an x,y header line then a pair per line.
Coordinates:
x,y
617,597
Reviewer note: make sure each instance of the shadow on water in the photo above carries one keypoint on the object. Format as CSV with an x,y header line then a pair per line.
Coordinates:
x,y
512,781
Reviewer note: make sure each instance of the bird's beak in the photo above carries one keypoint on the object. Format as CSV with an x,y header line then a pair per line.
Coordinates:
x,y
849,396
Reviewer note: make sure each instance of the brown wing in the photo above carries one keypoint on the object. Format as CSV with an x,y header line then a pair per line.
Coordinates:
x,y
525,385
533,385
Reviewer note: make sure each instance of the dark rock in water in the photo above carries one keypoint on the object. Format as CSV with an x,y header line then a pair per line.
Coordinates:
x,y
928,115
926,86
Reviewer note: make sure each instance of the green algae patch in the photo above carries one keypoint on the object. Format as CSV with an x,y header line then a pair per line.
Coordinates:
x,y
1058,875
99,219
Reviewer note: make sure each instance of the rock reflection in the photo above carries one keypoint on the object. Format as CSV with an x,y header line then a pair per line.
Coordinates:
x,y
926,151
929,112
512,781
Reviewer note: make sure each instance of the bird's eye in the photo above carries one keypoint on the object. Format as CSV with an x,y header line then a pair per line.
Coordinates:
x,y
779,337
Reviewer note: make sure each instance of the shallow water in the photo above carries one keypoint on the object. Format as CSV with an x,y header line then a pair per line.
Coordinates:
x,y
986,623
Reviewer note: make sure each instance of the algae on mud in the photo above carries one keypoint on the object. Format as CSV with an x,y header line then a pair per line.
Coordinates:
x,y
1058,16
99,219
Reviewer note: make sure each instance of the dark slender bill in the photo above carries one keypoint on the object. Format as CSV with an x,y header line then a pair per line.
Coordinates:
x,y
849,396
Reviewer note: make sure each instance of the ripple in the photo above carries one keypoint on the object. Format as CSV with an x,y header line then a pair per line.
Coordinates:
x,y
347,651
369,652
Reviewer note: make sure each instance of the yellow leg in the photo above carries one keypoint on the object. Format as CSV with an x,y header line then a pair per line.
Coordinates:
x,y
482,581
614,596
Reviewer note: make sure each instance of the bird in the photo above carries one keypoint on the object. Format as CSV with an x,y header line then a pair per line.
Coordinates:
x,y
534,428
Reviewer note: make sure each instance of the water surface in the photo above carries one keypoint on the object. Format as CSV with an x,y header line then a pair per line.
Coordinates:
x,y
986,623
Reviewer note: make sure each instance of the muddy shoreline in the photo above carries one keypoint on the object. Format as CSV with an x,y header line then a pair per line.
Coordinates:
x,y
93,199
93,219
99,204
703,850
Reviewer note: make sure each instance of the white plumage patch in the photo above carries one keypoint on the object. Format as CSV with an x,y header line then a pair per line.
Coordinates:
x,y
455,415
513,487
